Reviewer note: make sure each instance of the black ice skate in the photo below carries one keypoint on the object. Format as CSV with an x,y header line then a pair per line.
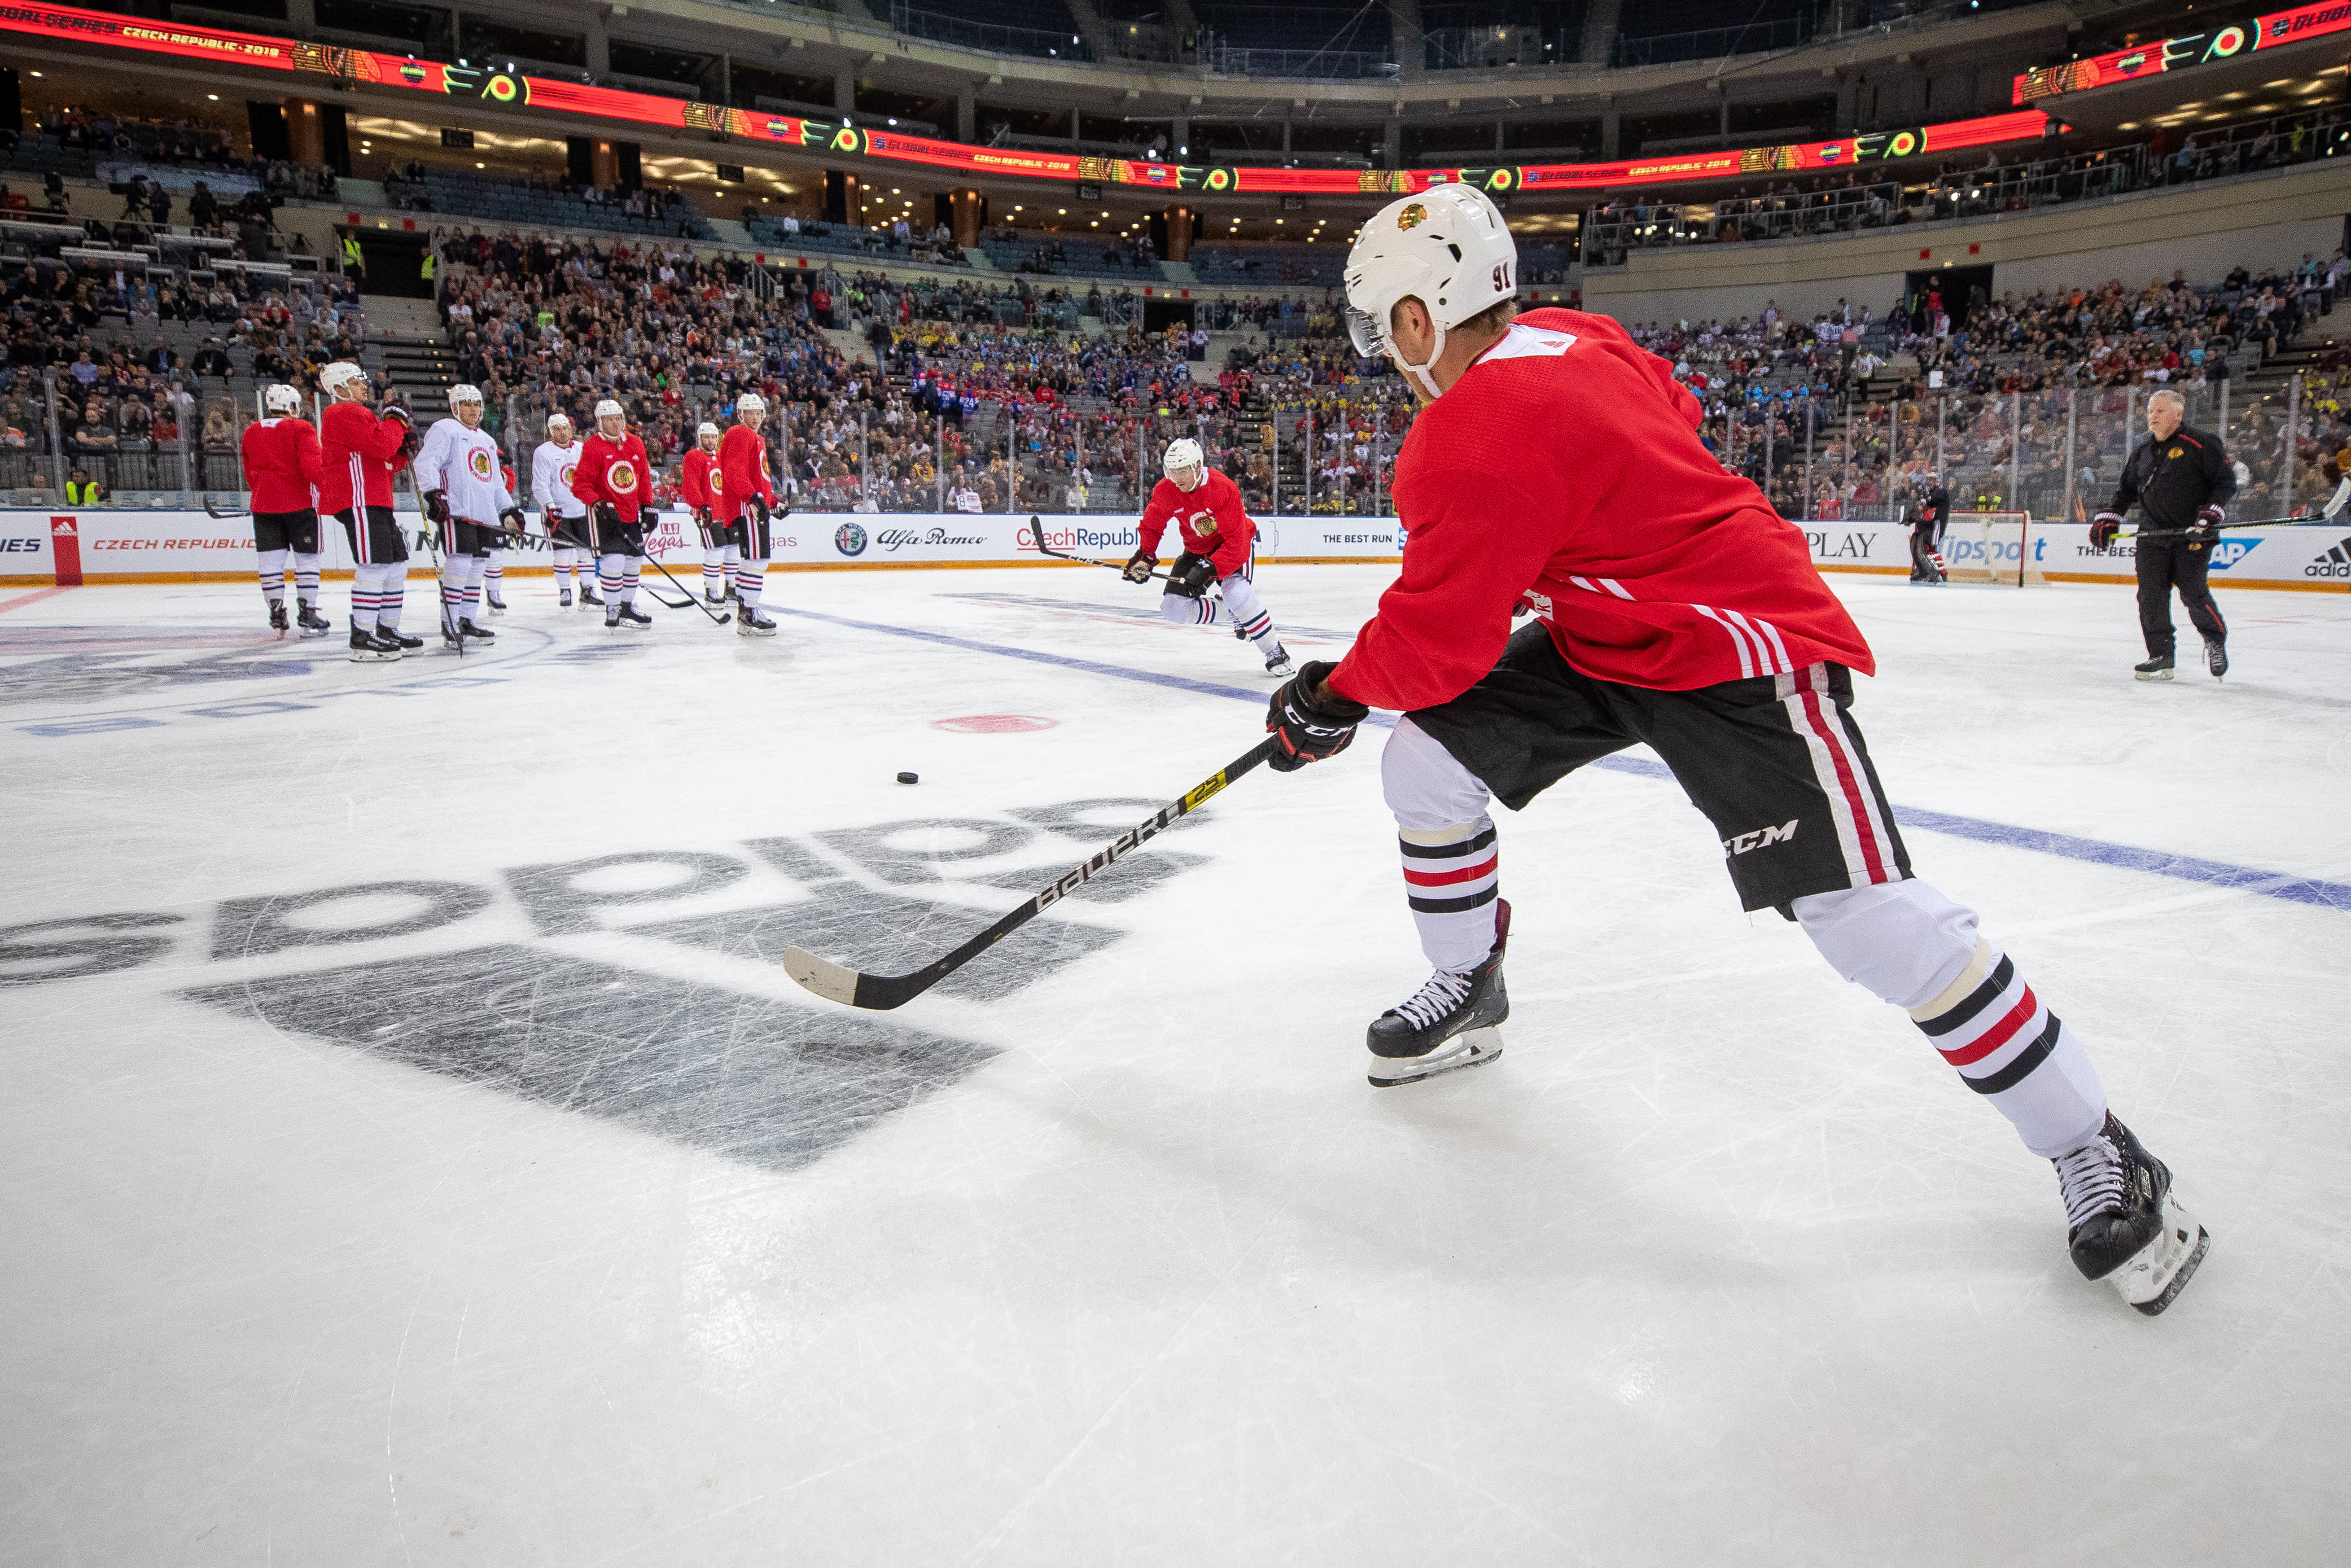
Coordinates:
x,y
400,640
710,597
278,622
496,606
635,619
2156,669
2216,656
751,623
1452,1022
367,648
564,598
1278,663
587,600
2121,1223
473,633
310,623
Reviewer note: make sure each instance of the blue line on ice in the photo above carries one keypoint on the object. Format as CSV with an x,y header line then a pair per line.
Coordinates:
x,y
2157,863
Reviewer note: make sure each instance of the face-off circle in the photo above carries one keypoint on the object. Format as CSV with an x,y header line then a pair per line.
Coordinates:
x,y
994,722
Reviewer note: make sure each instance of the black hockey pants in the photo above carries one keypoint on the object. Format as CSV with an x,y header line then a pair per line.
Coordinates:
x,y
2166,564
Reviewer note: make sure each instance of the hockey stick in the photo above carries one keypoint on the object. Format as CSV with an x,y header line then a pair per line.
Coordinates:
x,y
1037,533
690,596
839,983
213,511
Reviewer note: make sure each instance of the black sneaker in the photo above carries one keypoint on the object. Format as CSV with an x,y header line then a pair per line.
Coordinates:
x,y
310,623
2121,1223
2216,656
473,633
1453,1021
278,621
2156,669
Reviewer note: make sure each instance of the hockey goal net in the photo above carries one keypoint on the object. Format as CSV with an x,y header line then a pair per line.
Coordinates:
x,y
1994,548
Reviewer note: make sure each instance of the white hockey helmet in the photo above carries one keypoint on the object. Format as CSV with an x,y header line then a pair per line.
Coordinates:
x,y
461,393
750,403
342,378
278,399
1447,248
608,408
706,429
1183,452
558,418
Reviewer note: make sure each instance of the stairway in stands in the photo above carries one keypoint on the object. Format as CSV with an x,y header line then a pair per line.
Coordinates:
x,y
407,343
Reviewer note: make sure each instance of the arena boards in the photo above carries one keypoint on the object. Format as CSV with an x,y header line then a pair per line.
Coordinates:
x,y
65,549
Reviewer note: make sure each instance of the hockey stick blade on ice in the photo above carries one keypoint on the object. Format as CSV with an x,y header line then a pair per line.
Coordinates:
x,y
689,599
213,511
1037,532
852,987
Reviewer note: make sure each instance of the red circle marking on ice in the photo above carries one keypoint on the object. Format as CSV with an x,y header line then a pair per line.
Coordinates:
x,y
994,722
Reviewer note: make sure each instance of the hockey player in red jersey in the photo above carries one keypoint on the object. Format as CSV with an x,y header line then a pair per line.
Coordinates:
x,y
613,479
1219,547
743,497
359,451
281,472
1555,469
719,555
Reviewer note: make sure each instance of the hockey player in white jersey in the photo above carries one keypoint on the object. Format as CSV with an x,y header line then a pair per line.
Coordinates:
x,y
553,467
468,500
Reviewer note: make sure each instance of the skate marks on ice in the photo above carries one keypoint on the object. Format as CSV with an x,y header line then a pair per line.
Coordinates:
x,y
1131,615
71,677
706,1064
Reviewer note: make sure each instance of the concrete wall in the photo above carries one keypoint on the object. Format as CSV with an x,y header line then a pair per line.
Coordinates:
x,y
2256,220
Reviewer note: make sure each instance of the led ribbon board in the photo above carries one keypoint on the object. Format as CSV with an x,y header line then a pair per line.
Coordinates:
x,y
2188,49
513,90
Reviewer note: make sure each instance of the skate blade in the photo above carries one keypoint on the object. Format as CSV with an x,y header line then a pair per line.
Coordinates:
x,y
1471,1047
2153,1278
2152,675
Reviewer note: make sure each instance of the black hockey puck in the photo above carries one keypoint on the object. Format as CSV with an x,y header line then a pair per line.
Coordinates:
x,y
909,778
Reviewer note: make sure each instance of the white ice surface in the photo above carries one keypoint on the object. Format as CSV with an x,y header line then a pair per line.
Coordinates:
x,y
1717,1265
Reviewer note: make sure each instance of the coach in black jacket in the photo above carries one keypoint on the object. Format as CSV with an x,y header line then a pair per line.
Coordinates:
x,y
2181,481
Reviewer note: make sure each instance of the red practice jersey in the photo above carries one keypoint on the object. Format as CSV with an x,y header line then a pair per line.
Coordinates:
x,y
359,452
614,472
694,480
281,465
1564,469
1218,500
741,473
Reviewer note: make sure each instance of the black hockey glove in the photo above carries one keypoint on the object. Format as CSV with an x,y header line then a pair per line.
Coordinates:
x,y
1140,566
2102,530
608,515
758,508
2207,526
515,522
395,408
1191,576
437,507
1310,730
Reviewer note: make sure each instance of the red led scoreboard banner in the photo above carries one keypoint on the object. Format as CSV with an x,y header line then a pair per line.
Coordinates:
x,y
2188,49
515,90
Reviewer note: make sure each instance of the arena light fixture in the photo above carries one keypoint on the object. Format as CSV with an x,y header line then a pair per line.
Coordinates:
x,y
212,97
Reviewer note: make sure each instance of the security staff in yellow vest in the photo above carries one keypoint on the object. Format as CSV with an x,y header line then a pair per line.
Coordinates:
x,y
354,264
81,490
431,265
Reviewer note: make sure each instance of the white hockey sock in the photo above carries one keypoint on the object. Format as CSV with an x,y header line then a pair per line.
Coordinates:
x,y
750,580
1452,870
629,582
728,559
376,594
713,571
272,565
472,597
1908,944
306,578
1243,608
453,589
1177,610
608,577
494,575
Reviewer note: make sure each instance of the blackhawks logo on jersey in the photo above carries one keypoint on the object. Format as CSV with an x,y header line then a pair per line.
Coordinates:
x,y
570,472
2176,451
485,466
622,478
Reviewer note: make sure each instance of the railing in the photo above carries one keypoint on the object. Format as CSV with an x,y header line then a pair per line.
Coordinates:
x,y
1609,233
939,28
1493,47
1712,43
1313,64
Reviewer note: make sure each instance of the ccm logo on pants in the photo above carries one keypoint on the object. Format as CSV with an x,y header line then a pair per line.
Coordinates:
x,y
1758,838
